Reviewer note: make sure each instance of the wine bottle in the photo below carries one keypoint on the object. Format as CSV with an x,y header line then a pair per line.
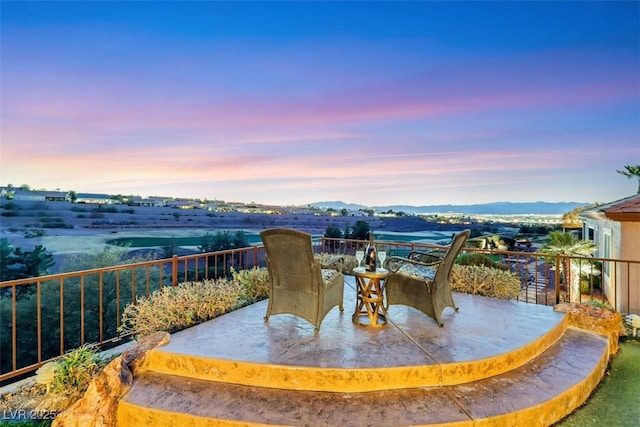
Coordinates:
x,y
370,254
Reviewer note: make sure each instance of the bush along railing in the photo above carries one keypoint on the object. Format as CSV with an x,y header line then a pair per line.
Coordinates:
x,y
44,317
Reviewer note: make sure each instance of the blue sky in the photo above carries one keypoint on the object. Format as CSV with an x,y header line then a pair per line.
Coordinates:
x,y
375,103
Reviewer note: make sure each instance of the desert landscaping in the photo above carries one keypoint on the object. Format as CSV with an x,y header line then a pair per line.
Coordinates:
x,y
65,228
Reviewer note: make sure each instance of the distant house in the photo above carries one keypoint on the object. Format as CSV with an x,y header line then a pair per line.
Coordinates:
x,y
151,202
219,207
615,228
184,204
34,195
28,196
56,196
98,199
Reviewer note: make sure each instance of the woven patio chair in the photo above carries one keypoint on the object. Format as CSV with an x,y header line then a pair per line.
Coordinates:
x,y
298,284
421,280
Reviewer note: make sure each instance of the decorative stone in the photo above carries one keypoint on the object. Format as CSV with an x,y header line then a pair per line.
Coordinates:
x,y
595,319
98,406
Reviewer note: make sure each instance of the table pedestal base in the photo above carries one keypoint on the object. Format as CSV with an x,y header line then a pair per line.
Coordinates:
x,y
370,310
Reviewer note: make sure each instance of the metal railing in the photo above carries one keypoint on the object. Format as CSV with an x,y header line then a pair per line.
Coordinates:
x,y
44,317
607,280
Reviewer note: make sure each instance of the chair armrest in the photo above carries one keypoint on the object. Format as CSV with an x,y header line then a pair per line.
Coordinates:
x,y
335,263
395,262
428,257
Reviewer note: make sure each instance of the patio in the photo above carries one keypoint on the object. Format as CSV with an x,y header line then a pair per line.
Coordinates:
x,y
495,362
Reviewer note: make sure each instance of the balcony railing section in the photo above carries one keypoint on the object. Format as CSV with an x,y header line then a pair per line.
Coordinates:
x,y
44,317
607,280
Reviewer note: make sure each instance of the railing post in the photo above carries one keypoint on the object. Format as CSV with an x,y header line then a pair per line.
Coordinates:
x,y
174,270
557,279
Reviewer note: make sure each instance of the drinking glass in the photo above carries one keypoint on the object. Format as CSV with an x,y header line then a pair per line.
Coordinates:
x,y
382,255
359,257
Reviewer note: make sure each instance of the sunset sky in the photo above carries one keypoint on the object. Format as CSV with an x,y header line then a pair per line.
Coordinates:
x,y
376,103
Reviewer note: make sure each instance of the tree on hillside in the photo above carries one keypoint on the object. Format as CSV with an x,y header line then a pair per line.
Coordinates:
x,y
16,263
571,220
631,172
360,231
36,262
333,232
107,256
567,245
223,241
7,262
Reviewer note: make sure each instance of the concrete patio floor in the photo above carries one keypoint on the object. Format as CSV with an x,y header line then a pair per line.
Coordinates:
x,y
494,362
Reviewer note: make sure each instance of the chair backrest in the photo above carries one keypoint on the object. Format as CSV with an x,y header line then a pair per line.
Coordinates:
x,y
444,269
290,259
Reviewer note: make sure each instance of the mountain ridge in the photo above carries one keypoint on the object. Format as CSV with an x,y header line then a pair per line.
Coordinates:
x,y
494,208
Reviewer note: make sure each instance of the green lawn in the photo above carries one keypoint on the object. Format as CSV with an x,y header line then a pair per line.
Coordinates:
x,y
616,400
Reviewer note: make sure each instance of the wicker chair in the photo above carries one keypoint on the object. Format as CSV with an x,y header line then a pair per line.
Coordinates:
x,y
422,279
298,284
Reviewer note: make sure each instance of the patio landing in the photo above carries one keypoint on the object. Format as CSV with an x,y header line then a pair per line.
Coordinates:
x,y
495,362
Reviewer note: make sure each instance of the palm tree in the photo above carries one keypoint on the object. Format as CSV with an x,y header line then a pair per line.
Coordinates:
x,y
567,245
631,172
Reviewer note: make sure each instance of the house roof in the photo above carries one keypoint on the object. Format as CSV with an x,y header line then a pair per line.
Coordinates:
x,y
627,210
92,196
623,210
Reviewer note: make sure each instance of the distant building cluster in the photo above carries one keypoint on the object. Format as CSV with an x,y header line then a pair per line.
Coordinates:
x,y
26,195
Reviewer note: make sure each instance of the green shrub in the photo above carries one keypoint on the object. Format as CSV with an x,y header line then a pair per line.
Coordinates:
x,y
485,281
10,206
254,283
172,309
472,258
34,233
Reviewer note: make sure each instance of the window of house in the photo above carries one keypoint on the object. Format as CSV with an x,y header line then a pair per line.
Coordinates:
x,y
606,248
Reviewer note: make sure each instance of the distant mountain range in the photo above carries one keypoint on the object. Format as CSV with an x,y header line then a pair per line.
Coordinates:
x,y
497,208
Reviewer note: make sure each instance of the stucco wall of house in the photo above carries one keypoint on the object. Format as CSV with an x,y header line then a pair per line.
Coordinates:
x,y
630,250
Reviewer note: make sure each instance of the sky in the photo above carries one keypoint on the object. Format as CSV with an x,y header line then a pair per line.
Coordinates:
x,y
291,103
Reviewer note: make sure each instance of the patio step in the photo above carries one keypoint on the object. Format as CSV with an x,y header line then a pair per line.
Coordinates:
x,y
537,392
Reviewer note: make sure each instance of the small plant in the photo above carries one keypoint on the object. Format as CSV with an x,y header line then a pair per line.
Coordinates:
x,y
485,281
599,304
76,369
